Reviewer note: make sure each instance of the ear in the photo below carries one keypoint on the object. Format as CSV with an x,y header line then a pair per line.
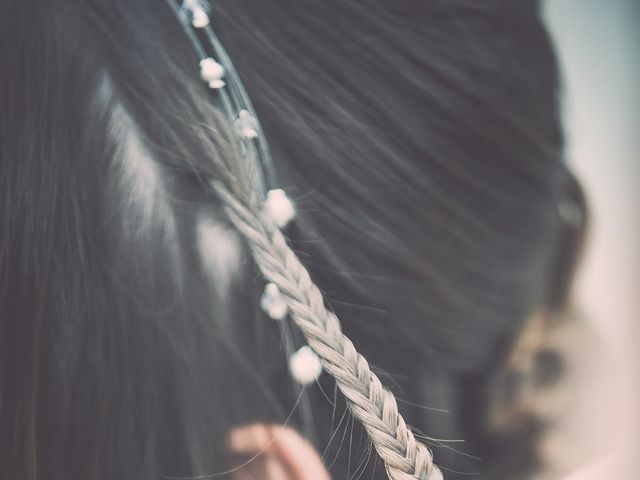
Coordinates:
x,y
274,453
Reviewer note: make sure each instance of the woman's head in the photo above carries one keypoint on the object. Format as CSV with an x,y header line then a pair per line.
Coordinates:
x,y
420,142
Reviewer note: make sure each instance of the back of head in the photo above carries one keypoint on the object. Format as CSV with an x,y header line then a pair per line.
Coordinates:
x,y
421,144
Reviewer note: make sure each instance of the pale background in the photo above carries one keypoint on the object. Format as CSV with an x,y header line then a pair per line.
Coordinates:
x,y
598,43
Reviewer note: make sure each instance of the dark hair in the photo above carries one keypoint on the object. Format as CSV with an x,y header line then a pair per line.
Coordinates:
x,y
421,143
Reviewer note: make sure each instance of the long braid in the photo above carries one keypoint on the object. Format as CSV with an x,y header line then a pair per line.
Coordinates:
x,y
373,405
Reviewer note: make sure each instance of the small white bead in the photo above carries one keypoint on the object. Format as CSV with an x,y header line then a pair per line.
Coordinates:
x,y
210,70
273,303
247,124
216,84
279,207
305,366
196,14
199,18
249,133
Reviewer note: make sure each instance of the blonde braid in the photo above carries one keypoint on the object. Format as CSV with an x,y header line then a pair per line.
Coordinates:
x,y
373,405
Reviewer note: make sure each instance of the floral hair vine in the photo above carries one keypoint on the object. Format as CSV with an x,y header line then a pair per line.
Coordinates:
x,y
290,293
220,75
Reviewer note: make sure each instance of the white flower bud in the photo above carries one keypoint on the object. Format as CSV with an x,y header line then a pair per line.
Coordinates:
x,y
305,366
279,207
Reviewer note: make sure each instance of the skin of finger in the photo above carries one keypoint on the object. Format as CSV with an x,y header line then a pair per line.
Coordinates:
x,y
282,445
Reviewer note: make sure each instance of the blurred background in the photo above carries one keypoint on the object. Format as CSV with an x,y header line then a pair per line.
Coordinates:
x,y
598,45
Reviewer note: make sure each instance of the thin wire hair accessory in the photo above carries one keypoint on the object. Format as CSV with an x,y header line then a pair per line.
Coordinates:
x,y
259,216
